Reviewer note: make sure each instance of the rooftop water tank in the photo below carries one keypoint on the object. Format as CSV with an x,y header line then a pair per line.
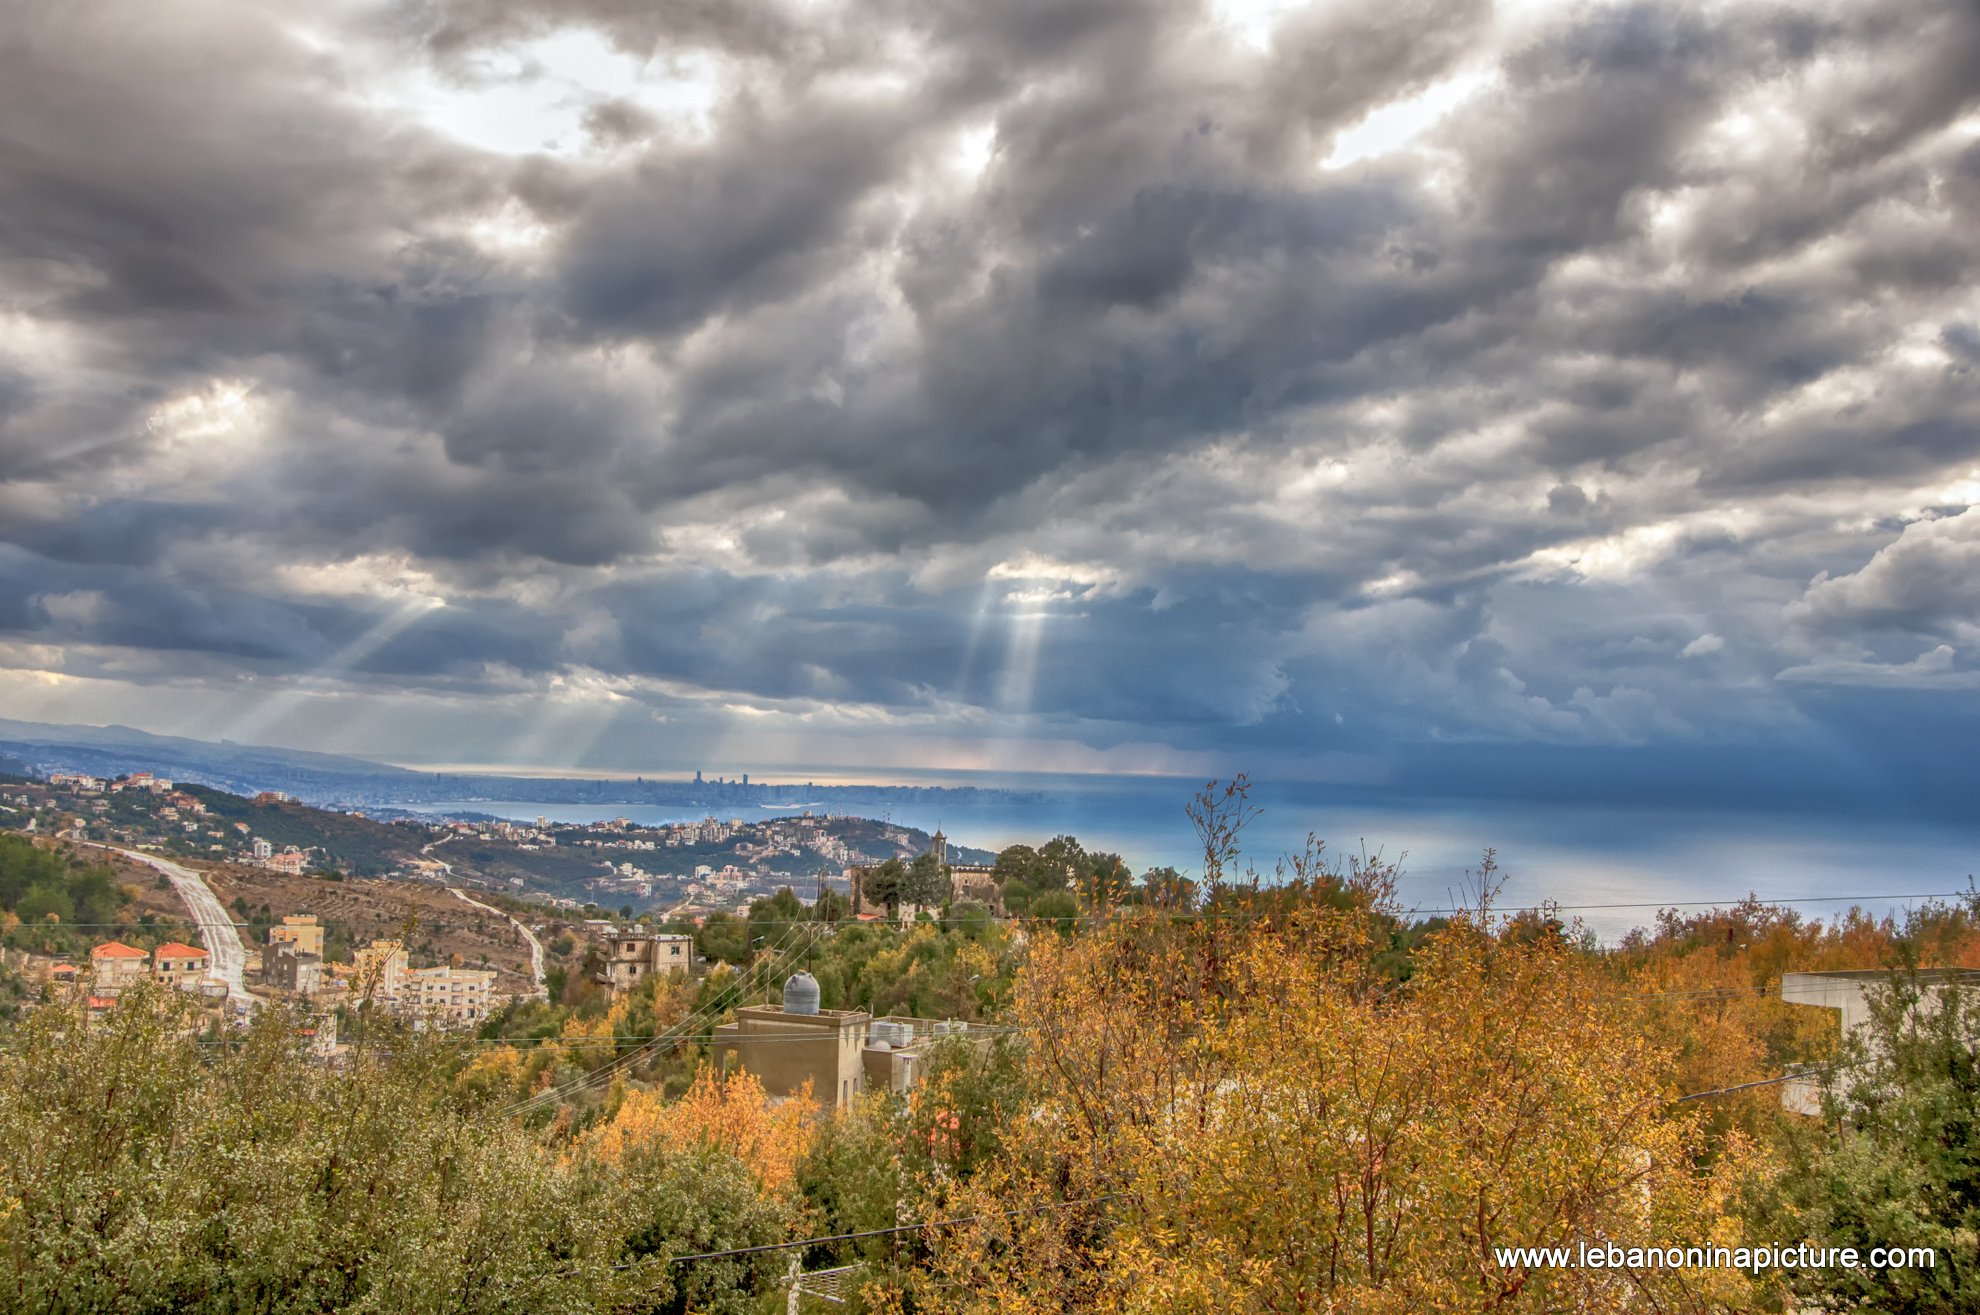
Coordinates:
x,y
801,994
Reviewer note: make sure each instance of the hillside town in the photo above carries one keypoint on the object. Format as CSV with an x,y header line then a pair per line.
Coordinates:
x,y
685,868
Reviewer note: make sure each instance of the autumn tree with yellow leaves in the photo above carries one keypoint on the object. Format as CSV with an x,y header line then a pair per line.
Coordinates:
x,y
1233,1114
727,1112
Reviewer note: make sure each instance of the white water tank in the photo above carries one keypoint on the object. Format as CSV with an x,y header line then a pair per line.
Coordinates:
x,y
801,994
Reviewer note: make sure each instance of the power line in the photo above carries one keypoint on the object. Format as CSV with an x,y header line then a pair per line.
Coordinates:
x,y
1749,1086
704,1015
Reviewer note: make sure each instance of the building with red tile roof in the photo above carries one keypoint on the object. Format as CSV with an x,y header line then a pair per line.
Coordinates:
x,y
117,965
174,964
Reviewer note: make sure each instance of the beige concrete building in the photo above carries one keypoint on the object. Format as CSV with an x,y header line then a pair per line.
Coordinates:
x,y
976,881
379,971
173,964
446,995
632,956
1851,995
300,930
897,1048
787,1045
116,965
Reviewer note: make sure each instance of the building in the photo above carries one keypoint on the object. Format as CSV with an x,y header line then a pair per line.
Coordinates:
x,y
446,995
788,1045
300,930
175,964
897,1048
263,851
116,966
1851,994
289,967
379,971
382,972
976,881
631,956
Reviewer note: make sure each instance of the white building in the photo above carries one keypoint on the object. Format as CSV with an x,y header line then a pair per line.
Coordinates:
x,y
446,995
1852,994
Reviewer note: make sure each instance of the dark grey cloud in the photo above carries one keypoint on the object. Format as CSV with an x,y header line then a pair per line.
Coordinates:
x,y
1084,369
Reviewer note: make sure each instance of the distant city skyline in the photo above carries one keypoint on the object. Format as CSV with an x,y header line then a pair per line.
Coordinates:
x,y
1572,399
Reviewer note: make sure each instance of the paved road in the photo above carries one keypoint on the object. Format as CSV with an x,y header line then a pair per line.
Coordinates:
x,y
535,946
217,931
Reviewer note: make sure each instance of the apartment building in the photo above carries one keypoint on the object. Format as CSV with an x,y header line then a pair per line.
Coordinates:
x,y
300,930
446,995
1850,995
289,967
177,965
379,971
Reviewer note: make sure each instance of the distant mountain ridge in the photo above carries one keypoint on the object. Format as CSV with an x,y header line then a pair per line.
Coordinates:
x,y
336,781
108,738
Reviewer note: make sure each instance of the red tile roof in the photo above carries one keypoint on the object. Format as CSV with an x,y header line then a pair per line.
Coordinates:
x,y
174,950
117,950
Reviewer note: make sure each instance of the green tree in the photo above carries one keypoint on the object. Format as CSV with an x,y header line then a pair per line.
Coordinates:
x,y
143,1171
722,938
772,919
831,907
926,882
882,885
1895,1161
1166,888
45,902
1056,908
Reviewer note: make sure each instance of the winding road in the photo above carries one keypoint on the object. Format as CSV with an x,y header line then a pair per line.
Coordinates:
x,y
535,946
217,931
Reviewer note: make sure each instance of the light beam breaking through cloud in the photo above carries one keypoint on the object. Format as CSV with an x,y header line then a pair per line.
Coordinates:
x,y
1105,380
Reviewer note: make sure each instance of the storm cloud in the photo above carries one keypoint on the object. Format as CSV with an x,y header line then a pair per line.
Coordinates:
x,y
1145,381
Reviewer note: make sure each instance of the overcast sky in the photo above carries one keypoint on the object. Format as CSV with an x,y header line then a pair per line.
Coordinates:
x,y
1362,390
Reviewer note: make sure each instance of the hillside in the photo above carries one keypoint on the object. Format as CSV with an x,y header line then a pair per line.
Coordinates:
x,y
347,840
356,910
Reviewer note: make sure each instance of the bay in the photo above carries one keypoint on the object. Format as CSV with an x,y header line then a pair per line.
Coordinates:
x,y
1612,868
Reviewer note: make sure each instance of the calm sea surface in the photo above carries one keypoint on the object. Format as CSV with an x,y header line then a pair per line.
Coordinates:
x,y
1579,857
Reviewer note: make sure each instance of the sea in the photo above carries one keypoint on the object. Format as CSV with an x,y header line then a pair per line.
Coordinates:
x,y
1611,868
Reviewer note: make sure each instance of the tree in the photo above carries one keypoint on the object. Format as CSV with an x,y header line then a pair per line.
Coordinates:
x,y
1057,909
1230,1115
722,938
775,918
926,882
882,884
971,919
1018,863
729,1113
1062,860
140,1170
831,907
1166,888
1895,1160
1106,879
